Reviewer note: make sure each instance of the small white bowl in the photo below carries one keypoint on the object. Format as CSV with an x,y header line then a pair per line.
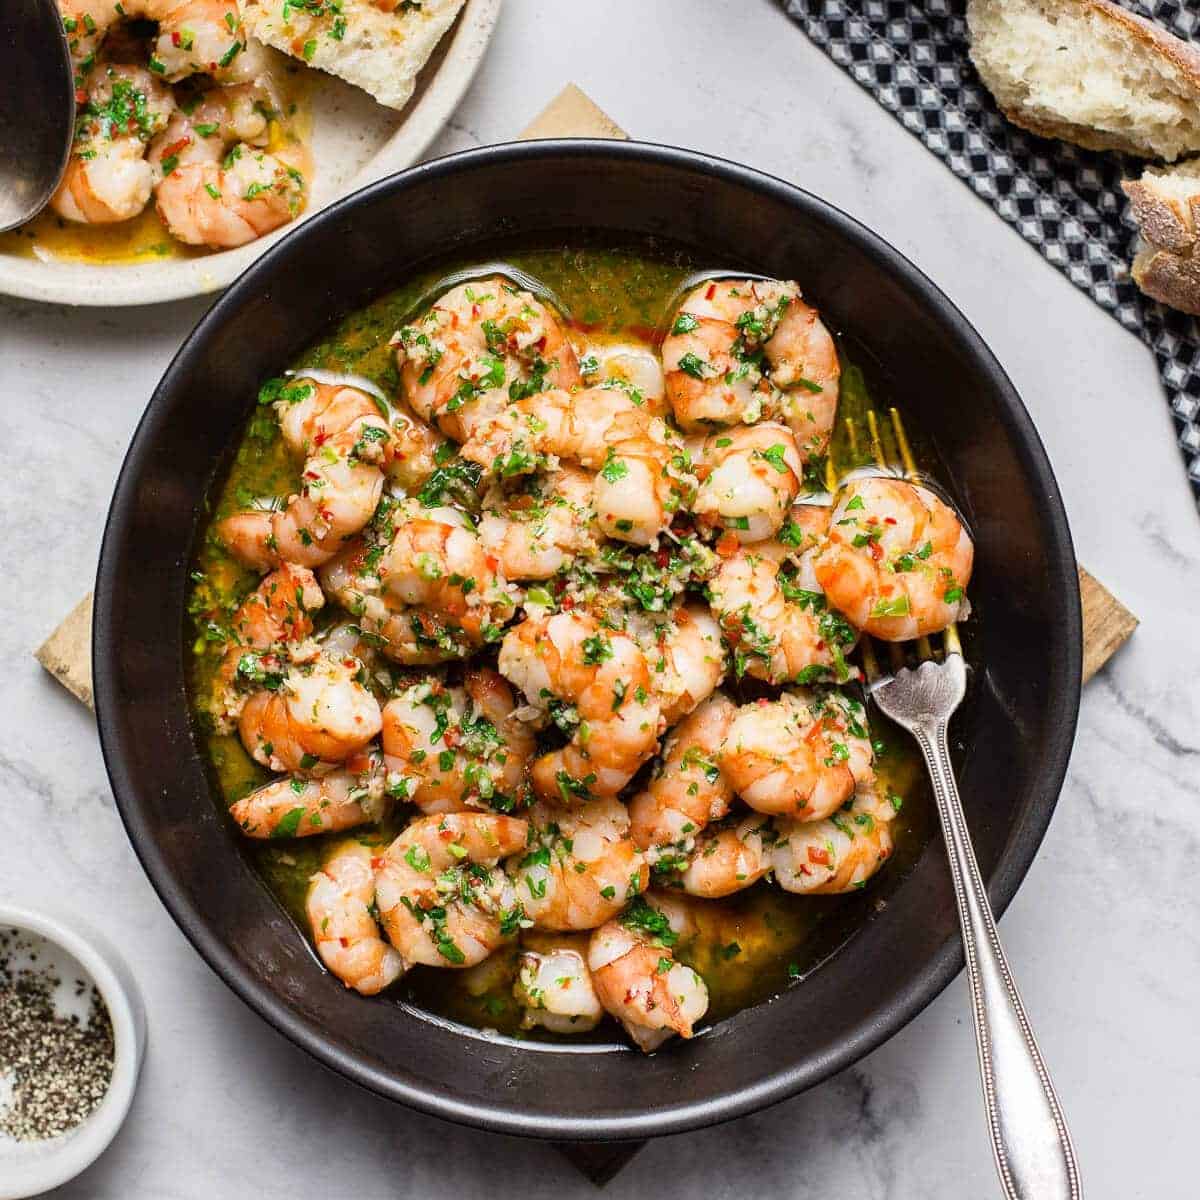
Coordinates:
x,y
30,1168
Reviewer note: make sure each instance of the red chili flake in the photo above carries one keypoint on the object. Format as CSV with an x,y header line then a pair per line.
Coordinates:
x,y
711,291
492,562
819,855
452,736
176,40
662,558
446,835
81,96
344,942
889,520
320,437
727,544
376,862
568,603
876,551
560,586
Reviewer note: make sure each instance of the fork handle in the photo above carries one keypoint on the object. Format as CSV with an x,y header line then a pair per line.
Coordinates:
x,y
1030,1140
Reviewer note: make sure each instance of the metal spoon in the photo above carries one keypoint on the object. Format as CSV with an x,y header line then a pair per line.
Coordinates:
x,y
37,107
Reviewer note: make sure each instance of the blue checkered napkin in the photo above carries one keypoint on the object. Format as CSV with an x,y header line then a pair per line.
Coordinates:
x,y
911,55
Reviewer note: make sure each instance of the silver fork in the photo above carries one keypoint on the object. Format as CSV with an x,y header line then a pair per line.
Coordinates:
x,y
1030,1139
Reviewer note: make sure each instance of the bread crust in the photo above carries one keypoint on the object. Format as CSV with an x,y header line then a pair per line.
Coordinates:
x,y
1172,278
1180,54
1166,221
1166,206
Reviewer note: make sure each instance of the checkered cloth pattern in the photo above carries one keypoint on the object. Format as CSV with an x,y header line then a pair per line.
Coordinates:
x,y
911,55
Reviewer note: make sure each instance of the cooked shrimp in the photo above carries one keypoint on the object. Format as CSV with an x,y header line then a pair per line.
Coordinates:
x,y
577,426
600,685
417,449
838,854
554,987
279,609
194,36
480,345
424,584
345,442
637,979
219,118
686,656
539,529
229,203
580,866
631,366
738,350
440,898
204,37
750,476
461,748
340,898
275,615
108,178
729,859
774,614
309,717
797,755
643,482
803,363
897,561
348,796
688,788
644,471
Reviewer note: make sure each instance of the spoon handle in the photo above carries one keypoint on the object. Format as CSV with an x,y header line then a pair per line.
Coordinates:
x,y
1030,1139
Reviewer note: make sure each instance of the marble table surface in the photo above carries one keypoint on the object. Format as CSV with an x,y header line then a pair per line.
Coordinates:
x,y
1103,934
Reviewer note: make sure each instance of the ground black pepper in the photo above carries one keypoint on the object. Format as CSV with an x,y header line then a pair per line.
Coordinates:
x,y
58,1067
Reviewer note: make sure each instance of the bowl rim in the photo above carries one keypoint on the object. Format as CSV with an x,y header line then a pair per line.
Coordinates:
x,y
774,1086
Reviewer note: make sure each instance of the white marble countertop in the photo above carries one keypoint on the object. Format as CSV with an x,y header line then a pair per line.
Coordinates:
x,y
1103,934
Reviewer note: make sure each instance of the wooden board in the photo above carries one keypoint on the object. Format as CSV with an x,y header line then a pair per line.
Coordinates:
x,y
1107,623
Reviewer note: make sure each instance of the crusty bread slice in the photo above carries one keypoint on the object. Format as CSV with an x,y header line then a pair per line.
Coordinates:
x,y
357,40
1089,72
1166,206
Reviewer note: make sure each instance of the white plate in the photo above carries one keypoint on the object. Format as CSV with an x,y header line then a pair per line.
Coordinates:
x,y
355,142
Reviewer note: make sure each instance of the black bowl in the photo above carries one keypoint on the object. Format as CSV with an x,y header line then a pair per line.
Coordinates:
x,y
1017,735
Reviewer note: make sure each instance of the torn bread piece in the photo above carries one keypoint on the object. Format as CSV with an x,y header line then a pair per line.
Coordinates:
x,y
1089,72
1166,207
378,46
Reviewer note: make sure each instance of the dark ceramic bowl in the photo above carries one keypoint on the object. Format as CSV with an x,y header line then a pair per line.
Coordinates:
x,y
1017,735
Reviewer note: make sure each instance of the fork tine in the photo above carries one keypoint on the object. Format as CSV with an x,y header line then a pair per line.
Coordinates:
x,y
906,454
852,436
876,445
953,645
